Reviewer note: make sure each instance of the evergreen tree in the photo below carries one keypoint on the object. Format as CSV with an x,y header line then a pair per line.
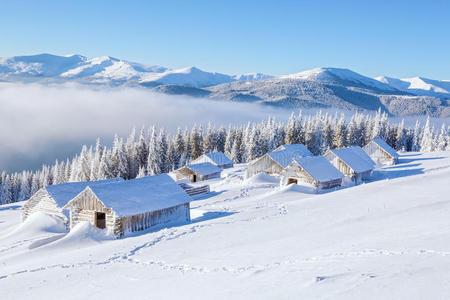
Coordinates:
x,y
427,138
417,137
339,134
400,138
196,143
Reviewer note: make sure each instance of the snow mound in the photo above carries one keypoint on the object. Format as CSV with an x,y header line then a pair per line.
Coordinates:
x,y
82,234
297,188
262,178
40,222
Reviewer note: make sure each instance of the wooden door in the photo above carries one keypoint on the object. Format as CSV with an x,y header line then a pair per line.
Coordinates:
x,y
100,220
193,178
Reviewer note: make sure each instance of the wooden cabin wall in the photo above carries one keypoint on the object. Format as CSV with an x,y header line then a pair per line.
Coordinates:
x,y
202,159
339,164
297,173
378,154
210,176
84,209
182,173
41,201
263,165
180,213
330,184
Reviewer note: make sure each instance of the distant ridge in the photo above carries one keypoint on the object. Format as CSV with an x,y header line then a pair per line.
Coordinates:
x,y
325,87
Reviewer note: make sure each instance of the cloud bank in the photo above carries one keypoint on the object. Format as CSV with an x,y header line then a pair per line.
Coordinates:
x,y
41,123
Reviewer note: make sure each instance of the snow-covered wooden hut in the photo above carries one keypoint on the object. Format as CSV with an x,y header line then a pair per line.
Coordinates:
x,y
198,172
313,170
131,205
274,162
216,158
350,162
51,199
381,152
360,151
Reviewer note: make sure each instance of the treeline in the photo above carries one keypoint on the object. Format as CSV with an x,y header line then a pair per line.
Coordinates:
x,y
153,151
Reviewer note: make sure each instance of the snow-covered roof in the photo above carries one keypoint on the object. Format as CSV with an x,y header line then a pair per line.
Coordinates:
x,y
64,192
353,160
204,169
360,151
283,157
319,168
141,195
296,148
218,158
382,144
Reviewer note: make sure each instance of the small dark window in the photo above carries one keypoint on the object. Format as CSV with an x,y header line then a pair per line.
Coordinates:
x,y
100,220
292,180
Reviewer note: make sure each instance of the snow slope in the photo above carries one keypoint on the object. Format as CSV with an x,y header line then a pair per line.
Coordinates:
x,y
419,86
71,67
339,75
190,77
385,239
108,70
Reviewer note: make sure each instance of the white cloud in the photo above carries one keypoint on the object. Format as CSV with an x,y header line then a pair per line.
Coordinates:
x,y
40,123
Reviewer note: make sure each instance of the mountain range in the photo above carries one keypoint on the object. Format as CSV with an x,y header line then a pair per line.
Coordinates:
x,y
320,87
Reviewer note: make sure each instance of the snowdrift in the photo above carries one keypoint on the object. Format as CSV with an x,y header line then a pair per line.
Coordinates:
x,y
262,178
82,235
37,224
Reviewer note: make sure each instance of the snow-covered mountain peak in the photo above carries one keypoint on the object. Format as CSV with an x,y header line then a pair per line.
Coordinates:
x,y
338,75
419,85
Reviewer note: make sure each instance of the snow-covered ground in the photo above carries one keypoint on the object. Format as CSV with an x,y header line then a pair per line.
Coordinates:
x,y
251,239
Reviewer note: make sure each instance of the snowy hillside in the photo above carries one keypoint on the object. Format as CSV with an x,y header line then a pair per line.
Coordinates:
x,y
190,77
108,70
325,88
251,239
320,87
336,75
419,86
47,66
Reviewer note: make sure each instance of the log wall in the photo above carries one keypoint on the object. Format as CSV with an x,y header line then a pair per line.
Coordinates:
x,y
43,202
84,207
180,213
378,154
264,164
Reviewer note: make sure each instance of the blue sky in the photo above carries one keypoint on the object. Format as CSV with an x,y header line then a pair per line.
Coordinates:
x,y
394,38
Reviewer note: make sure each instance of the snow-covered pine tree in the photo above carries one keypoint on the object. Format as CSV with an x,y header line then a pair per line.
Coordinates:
x,y
84,170
104,169
352,132
417,137
209,140
220,139
292,135
162,151
427,138
141,173
229,141
142,149
339,134
179,148
131,155
441,144
153,160
196,142
5,191
95,163
171,156
400,138
25,186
